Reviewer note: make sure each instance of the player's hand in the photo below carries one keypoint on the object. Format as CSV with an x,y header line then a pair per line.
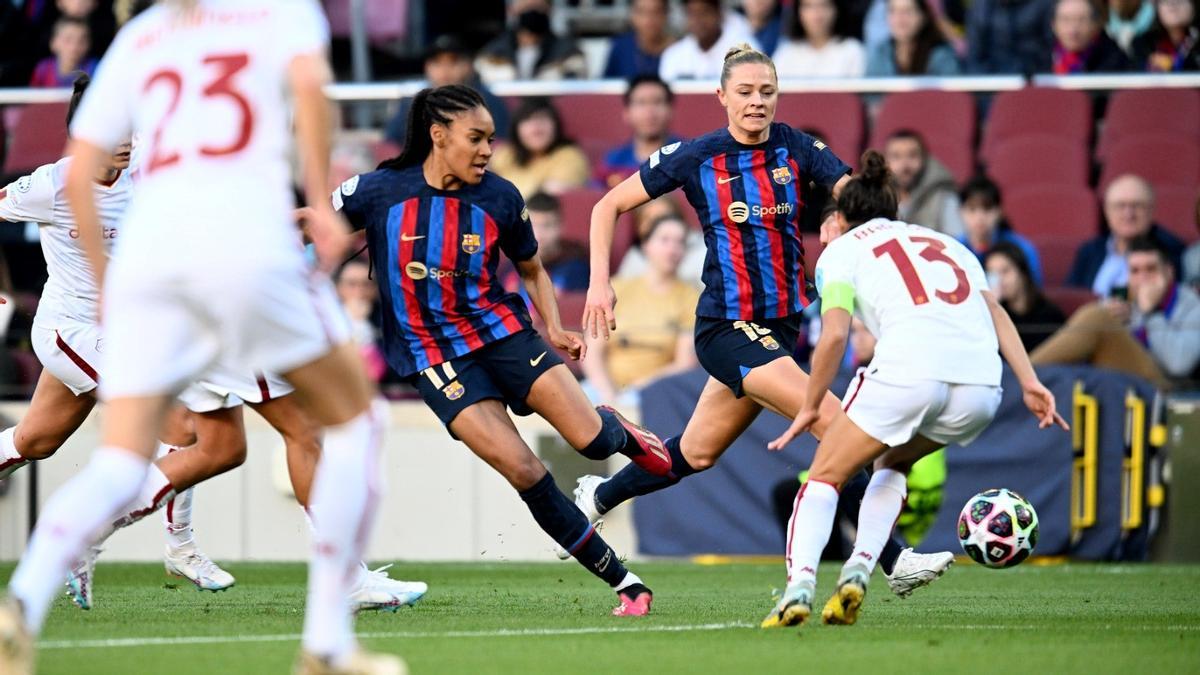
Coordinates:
x,y
570,342
803,422
830,229
1040,402
330,236
598,317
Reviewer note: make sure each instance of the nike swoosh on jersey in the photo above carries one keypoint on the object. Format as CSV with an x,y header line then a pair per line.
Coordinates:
x,y
722,181
405,237
534,362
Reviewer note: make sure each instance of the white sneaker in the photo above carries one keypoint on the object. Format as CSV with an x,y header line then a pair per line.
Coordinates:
x,y
191,564
376,590
585,499
359,663
16,643
81,578
914,570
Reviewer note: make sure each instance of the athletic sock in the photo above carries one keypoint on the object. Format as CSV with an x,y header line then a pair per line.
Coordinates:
x,y
155,492
346,491
566,524
632,481
70,520
849,505
881,506
611,439
809,528
10,459
177,516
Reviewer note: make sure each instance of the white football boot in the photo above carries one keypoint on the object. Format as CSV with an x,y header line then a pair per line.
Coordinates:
x,y
585,499
377,591
358,663
190,563
914,570
82,577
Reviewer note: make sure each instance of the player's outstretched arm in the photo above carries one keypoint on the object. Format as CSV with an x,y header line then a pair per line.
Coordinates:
x,y
540,288
826,357
1037,397
598,317
86,159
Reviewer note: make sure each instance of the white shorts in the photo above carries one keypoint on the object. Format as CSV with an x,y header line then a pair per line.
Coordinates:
x,y
164,331
71,352
893,412
224,388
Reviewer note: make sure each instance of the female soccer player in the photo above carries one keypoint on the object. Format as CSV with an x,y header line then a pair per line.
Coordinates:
x,y
209,268
744,182
437,221
934,380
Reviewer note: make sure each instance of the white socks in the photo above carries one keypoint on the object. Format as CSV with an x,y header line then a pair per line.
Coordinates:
x,y
156,492
177,517
10,459
345,493
808,530
73,516
881,506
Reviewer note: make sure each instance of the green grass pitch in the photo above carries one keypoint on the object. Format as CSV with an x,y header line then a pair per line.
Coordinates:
x,y
553,618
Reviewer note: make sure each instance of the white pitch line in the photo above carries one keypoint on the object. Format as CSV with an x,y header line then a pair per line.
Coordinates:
x,y
295,637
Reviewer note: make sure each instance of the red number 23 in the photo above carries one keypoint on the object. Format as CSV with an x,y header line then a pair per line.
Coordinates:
x,y
934,251
222,85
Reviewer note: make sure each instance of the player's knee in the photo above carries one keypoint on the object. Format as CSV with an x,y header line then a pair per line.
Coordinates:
x,y
701,461
525,473
38,446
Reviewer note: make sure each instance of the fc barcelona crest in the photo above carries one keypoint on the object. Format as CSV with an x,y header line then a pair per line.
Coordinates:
x,y
781,175
770,343
471,243
454,390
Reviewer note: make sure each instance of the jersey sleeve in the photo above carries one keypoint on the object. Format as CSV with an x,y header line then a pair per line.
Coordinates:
x,y
105,114
29,198
304,30
815,158
835,278
350,199
516,232
668,168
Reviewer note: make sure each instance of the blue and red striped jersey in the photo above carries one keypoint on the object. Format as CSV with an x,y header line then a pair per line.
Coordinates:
x,y
748,200
434,254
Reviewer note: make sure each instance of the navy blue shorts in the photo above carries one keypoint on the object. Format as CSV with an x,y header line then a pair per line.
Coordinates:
x,y
504,370
729,350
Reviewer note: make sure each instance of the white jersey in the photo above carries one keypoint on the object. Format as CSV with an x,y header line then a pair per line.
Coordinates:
x,y
70,292
205,91
919,292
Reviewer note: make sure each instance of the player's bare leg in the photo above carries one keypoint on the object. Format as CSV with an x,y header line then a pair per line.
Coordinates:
x,y
54,413
780,386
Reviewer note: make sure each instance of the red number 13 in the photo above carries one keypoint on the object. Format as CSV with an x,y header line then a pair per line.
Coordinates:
x,y
934,251
222,85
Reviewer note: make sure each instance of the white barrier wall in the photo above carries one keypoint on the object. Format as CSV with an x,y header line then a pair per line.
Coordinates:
x,y
442,502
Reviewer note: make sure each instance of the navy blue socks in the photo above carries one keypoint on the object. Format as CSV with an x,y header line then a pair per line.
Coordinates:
x,y
632,481
566,524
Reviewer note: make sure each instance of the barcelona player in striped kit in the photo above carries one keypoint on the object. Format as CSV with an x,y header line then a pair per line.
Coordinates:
x,y
437,223
744,183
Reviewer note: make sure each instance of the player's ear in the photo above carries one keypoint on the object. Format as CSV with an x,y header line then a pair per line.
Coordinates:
x,y
438,132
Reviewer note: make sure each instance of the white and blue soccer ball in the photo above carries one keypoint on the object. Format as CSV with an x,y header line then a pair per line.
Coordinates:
x,y
998,528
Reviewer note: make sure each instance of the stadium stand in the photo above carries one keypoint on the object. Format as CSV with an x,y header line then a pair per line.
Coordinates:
x,y
38,136
1059,161
945,119
837,117
1162,158
1037,110
1174,111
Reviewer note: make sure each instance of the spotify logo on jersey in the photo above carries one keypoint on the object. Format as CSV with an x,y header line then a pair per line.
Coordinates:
x,y
738,212
416,270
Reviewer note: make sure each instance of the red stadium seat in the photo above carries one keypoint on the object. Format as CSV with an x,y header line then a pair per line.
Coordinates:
x,y
1069,300
1039,159
594,121
384,149
1057,254
1162,159
577,213
1137,111
1047,211
698,114
570,312
39,136
838,119
1036,110
944,119
1175,208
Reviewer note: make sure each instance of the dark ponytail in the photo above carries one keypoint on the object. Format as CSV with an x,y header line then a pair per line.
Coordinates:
x,y
81,84
431,106
870,194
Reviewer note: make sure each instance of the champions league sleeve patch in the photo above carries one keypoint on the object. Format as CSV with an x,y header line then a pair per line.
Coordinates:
x,y
350,185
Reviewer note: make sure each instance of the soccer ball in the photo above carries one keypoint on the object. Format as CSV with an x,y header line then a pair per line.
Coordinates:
x,y
998,528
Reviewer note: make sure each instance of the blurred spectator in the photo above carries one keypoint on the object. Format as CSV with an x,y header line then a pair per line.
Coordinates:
x,y
1008,36
1129,20
1100,263
448,61
656,316
1191,259
16,47
540,158
1011,279
637,51
634,263
358,295
984,225
916,47
701,53
1080,44
530,50
566,261
765,22
816,47
648,109
926,189
1173,43
69,49
97,15
1152,335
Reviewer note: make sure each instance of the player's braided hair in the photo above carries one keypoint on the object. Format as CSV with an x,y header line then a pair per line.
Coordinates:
x,y
82,80
431,106
870,194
